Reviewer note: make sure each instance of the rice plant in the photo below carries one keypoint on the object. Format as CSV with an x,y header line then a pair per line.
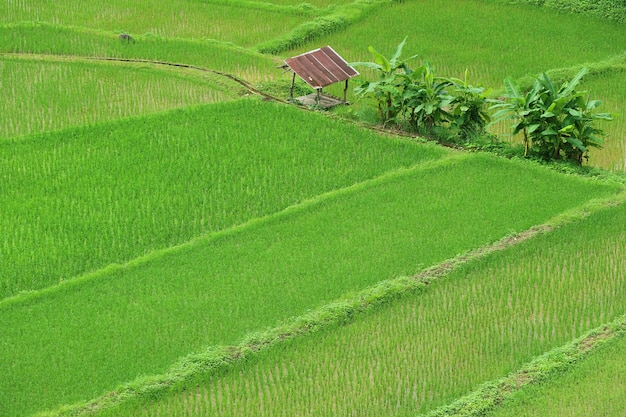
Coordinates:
x,y
114,325
79,199
479,324
592,387
316,3
611,89
177,18
45,94
45,38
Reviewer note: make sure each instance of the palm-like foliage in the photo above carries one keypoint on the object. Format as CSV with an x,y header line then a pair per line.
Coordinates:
x,y
467,108
387,88
425,98
420,99
557,123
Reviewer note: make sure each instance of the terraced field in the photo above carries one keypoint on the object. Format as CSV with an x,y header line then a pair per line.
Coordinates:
x,y
177,239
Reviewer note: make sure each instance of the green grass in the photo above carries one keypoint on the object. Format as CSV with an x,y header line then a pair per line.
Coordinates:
x,y
611,89
492,41
483,321
143,316
315,3
39,95
45,38
79,199
175,18
592,387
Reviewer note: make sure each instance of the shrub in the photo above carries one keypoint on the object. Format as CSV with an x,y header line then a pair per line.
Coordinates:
x,y
556,123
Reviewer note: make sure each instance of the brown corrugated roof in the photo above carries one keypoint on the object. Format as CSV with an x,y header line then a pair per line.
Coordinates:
x,y
321,67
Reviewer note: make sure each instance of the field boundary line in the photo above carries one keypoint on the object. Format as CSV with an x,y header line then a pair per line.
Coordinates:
x,y
217,359
339,18
307,204
491,394
302,9
113,36
59,58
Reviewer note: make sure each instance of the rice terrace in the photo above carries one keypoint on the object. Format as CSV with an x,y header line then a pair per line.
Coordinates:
x,y
190,226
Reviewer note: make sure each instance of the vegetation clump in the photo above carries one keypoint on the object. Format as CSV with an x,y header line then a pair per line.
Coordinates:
x,y
420,101
557,123
605,9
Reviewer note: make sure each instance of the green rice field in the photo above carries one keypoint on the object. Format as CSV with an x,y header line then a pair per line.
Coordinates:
x,y
423,351
110,91
173,19
178,239
79,200
190,295
592,387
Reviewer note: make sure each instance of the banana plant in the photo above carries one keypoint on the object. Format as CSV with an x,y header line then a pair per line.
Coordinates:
x,y
386,90
425,98
557,123
468,107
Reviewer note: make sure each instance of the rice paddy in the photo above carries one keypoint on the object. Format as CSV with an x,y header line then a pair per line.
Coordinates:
x,y
154,214
592,387
74,201
218,289
482,322
46,38
45,95
611,89
172,19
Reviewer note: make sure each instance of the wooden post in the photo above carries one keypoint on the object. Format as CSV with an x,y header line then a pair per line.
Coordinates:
x,y
317,98
345,92
293,81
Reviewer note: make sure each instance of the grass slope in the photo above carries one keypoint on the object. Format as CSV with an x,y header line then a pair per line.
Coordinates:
x,y
142,316
80,199
592,387
175,18
39,94
46,38
481,322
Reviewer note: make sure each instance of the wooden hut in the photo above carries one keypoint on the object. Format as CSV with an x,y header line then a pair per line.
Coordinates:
x,y
320,68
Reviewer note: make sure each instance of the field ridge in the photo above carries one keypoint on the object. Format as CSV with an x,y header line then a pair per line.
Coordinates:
x,y
216,359
27,296
341,17
490,394
302,9
615,63
77,58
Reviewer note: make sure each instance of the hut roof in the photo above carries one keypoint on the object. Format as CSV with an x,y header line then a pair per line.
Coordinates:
x,y
321,67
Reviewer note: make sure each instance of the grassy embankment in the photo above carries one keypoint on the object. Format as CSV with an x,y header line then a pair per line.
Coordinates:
x,y
223,286
483,321
592,387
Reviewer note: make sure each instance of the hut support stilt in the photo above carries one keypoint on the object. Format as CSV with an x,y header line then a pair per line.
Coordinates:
x,y
293,81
